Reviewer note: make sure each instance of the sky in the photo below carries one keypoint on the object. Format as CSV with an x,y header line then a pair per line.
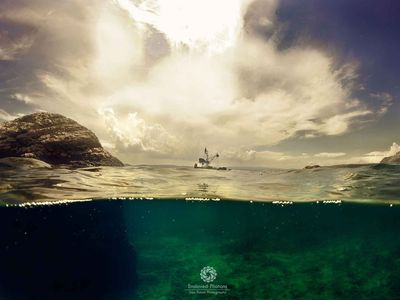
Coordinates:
x,y
274,83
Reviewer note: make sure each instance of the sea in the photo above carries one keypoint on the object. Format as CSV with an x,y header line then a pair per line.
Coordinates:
x,y
175,232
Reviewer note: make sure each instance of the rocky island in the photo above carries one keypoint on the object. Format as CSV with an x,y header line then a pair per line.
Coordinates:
x,y
310,167
54,139
391,159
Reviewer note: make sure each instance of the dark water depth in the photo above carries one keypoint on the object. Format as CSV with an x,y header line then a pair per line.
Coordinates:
x,y
156,249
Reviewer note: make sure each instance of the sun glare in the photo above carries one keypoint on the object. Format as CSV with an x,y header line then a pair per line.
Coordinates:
x,y
199,25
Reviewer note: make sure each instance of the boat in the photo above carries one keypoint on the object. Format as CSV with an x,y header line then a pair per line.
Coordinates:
x,y
205,162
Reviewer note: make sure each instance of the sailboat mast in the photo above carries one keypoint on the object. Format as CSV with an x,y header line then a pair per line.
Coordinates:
x,y
206,153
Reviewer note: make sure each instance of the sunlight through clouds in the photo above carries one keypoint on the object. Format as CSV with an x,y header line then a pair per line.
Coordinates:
x,y
164,78
199,25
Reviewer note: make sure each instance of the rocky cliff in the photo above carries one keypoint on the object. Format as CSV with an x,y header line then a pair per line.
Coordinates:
x,y
391,159
54,139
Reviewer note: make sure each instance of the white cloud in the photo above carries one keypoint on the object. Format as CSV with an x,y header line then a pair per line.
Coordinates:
x,y
206,25
330,154
278,159
135,134
5,116
12,47
239,155
385,99
211,85
23,98
377,156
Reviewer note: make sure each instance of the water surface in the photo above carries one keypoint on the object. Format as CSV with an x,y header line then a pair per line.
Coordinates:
x,y
360,183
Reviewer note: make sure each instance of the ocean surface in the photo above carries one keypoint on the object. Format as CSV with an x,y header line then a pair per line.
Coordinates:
x,y
356,183
168,232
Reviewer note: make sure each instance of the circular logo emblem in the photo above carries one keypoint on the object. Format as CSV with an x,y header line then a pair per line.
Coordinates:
x,y
208,274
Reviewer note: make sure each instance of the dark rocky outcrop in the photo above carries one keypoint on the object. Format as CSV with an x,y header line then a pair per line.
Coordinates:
x,y
312,167
391,159
23,163
54,139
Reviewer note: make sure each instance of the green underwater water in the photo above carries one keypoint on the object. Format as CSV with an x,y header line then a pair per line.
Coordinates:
x,y
154,249
265,251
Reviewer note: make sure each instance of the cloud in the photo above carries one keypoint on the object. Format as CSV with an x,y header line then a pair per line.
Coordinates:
x,y
5,116
135,134
377,156
277,159
330,154
273,159
12,47
164,78
259,19
239,155
183,22
385,99
23,98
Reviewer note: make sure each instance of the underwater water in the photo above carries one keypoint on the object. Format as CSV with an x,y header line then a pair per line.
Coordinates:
x,y
329,233
156,249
